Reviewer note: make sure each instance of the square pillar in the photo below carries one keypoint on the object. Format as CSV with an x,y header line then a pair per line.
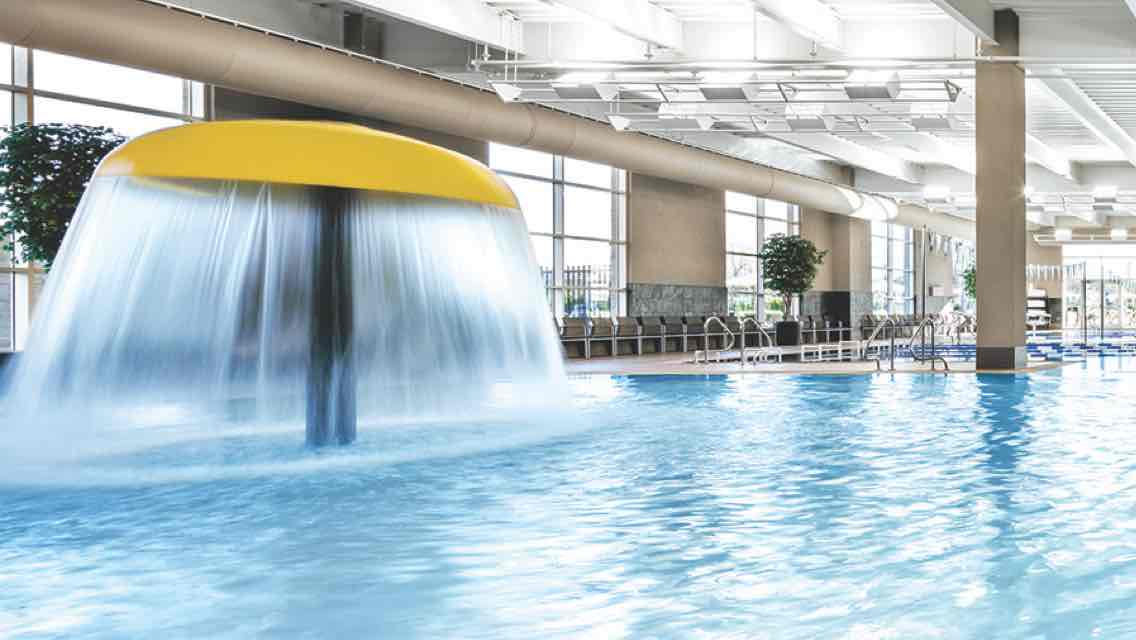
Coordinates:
x,y
1001,218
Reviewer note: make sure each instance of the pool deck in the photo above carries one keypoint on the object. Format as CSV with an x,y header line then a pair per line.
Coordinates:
x,y
681,364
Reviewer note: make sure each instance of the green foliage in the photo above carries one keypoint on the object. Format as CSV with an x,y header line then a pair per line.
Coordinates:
x,y
789,265
44,169
970,282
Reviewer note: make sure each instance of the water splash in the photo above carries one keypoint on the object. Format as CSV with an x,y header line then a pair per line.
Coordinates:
x,y
191,301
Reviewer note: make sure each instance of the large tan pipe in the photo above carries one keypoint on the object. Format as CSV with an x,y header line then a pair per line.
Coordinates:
x,y
146,36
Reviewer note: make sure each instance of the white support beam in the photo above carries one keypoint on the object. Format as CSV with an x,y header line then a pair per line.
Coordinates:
x,y
811,19
1043,155
1089,113
465,19
854,154
1037,152
977,16
637,19
944,152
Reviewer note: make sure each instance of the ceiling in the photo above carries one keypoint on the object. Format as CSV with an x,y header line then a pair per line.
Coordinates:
x,y
774,82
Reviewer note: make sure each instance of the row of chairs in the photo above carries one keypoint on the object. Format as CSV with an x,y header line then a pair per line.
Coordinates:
x,y
948,323
905,324
588,337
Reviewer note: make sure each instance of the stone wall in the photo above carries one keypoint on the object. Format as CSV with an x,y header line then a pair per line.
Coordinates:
x,y
675,300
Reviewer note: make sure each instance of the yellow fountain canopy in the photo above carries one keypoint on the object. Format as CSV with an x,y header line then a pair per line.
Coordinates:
x,y
308,153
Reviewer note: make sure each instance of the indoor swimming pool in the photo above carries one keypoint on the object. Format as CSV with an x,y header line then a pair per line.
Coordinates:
x,y
750,506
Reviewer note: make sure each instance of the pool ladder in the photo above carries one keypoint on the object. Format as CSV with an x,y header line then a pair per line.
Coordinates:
x,y
919,332
706,336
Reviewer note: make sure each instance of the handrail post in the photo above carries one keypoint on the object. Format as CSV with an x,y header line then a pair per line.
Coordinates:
x,y
891,351
706,338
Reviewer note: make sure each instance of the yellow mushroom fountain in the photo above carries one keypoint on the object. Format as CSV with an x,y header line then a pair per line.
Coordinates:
x,y
278,270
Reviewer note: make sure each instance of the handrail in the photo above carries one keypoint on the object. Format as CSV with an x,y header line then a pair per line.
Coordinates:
x,y
760,330
891,352
918,332
706,333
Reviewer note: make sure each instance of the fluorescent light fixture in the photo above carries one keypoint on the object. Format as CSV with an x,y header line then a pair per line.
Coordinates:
x,y
608,92
872,85
932,123
576,92
1063,235
508,92
619,123
582,77
1118,234
1105,193
736,94
726,77
807,124
936,192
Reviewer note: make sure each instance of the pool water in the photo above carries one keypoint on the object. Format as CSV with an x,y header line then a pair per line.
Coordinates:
x,y
755,506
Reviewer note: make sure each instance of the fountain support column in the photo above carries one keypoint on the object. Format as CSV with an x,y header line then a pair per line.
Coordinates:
x,y
331,373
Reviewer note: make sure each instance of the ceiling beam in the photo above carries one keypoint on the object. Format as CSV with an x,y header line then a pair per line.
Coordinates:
x,y
854,154
810,19
977,16
942,151
1043,155
1089,113
636,19
459,18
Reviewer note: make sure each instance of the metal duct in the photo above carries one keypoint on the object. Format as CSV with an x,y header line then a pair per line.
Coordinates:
x,y
146,36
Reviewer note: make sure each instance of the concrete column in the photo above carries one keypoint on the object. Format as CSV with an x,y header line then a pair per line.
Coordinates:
x,y
1001,217
676,253
844,281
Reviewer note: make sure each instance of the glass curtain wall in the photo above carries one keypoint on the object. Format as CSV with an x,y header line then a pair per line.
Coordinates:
x,y
577,220
962,258
1100,287
893,268
43,87
749,222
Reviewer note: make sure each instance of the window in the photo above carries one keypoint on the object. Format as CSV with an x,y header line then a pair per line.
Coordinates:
x,y
124,122
893,268
5,109
575,212
66,89
749,222
73,90
962,258
107,83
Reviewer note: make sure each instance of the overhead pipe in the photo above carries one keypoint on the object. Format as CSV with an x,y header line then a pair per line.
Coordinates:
x,y
139,34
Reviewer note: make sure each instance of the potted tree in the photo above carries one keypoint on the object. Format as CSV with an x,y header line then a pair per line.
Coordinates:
x,y
44,169
789,267
970,282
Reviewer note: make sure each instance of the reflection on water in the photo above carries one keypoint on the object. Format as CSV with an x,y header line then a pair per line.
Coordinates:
x,y
718,507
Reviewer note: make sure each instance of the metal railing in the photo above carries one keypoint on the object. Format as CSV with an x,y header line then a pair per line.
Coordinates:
x,y
920,332
706,332
872,338
762,333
